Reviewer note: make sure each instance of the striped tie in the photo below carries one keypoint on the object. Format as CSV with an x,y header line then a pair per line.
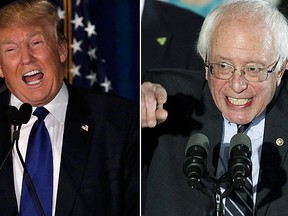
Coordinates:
x,y
240,201
242,128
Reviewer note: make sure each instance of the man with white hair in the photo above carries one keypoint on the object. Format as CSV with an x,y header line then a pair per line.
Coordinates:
x,y
244,45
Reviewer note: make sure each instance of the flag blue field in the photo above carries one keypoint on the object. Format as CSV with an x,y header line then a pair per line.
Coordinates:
x,y
104,44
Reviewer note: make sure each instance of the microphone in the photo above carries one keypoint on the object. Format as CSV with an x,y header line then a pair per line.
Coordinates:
x,y
240,165
195,164
25,111
12,115
17,118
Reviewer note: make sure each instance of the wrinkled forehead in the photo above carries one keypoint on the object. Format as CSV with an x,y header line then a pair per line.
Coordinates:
x,y
23,33
243,34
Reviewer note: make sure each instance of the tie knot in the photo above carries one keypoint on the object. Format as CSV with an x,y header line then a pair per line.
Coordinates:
x,y
41,112
243,128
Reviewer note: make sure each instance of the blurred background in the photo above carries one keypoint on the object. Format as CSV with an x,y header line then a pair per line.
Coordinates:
x,y
203,7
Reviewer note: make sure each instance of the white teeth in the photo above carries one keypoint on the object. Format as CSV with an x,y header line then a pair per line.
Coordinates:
x,y
34,82
236,101
31,73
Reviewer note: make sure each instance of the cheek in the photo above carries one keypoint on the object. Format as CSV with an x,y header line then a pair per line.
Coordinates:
x,y
6,70
9,63
216,87
265,94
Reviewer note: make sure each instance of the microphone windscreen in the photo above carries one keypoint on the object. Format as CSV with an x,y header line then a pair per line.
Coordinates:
x,y
12,114
25,113
198,139
240,139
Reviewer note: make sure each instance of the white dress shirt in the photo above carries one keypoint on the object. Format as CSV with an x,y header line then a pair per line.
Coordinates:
x,y
55,125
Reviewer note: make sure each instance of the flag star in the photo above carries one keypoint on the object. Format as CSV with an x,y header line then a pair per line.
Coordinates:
x,y
78,2
92,78
106,84
77,21
61,13
92,53
83,47
76,70
90,29
76,46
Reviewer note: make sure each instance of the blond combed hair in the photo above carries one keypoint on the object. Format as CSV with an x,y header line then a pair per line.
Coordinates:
x,y
28,11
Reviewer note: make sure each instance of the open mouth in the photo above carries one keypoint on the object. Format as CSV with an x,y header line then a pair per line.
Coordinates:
x,y
239,101
33,77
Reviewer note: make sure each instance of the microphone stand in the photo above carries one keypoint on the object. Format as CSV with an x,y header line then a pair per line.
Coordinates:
x,y
218,201
7,155
26,175
217,195
15,136
239,167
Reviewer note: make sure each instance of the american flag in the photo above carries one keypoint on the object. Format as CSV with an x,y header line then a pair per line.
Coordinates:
x,y
85,65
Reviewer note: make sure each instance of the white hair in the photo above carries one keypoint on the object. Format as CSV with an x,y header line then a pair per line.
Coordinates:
x,y
273,20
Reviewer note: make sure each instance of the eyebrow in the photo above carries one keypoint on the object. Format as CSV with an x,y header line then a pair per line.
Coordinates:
x,y
29,35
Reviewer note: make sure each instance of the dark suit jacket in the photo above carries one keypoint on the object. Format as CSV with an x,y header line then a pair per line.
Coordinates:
x,y
99,172
191,109
181,29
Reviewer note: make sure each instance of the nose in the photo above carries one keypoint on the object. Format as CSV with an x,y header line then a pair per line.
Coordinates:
x,y
26,56
237,82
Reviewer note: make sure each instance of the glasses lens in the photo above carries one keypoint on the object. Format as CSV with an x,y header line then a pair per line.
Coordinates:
x,y
222,70
254,74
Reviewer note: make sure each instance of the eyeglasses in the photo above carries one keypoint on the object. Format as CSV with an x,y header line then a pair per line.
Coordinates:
x,y
250,72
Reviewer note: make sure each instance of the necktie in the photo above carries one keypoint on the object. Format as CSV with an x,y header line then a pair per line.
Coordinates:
x,y
240,201
243,128
39,163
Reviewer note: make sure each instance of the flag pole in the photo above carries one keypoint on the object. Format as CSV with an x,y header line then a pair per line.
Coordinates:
x,y
68,33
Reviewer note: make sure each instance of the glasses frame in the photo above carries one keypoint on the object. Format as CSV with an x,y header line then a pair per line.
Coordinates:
x,y
262,70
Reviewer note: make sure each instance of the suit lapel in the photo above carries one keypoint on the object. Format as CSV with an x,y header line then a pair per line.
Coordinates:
x,y
76,145
272,175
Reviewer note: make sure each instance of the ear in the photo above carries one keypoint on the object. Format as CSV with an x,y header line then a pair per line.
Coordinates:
x,y
63,50
1,72
282,71
206,73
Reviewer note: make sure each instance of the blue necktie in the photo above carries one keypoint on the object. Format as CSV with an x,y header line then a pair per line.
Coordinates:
x,y
39,163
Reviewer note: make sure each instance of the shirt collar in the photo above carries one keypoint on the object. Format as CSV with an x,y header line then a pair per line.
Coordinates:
x,y
57,107
255,121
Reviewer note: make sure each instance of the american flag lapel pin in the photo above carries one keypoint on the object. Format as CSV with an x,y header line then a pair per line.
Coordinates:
x,y
84,127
